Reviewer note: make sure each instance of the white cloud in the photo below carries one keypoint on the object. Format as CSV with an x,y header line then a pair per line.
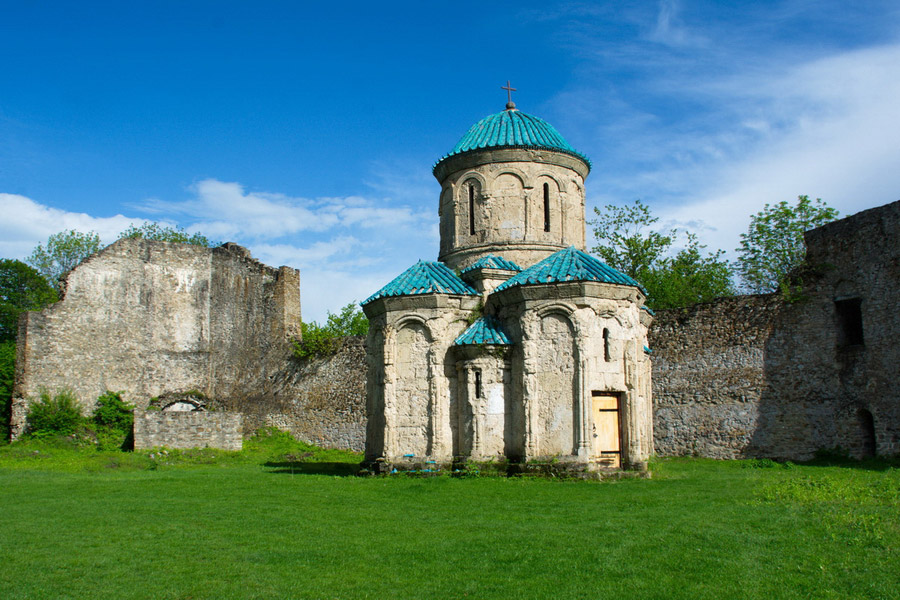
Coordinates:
x,y
226,210
27,223
338,265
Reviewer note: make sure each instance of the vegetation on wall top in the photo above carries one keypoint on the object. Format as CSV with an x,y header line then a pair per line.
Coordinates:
x,y
324,340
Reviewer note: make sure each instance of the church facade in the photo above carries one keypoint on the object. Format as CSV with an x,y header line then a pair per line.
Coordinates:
x,y
515,345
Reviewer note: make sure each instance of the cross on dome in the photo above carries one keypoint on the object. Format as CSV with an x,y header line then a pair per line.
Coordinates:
x,y
510,105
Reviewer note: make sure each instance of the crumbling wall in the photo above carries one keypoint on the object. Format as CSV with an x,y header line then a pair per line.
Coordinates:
x,y
321,400
149,318
758,376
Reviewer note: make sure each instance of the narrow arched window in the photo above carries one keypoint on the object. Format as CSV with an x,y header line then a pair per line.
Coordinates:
x,y
471,209
606,356
478,392
546,207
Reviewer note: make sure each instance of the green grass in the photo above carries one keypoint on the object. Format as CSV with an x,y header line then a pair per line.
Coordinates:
x,y
263,524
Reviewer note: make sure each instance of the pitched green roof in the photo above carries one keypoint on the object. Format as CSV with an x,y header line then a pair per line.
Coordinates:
x,y
513,129
424,278
570,264
485,330
492,261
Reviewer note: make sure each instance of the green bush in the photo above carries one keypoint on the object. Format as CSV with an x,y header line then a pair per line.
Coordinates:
x,y
324,340
59,414
113,412
113,420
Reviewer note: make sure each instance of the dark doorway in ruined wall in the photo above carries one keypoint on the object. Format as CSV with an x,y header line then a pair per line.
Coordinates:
x,y
867,432
849,322
607,428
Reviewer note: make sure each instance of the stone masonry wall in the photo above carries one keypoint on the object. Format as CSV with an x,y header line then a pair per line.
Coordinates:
x,y
195,429
149,318
757,376
321,401
708,375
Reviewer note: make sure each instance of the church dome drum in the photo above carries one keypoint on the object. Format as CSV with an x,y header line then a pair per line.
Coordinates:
x,y
511,186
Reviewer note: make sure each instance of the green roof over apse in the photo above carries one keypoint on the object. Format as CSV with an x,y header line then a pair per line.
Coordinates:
x,y
424,278
485,330
570,264
492,261
512,128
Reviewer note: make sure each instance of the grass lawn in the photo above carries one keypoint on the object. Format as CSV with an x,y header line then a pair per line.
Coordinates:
x,y
284,521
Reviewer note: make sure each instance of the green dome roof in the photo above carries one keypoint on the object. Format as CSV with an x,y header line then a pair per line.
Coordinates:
x,y
512,128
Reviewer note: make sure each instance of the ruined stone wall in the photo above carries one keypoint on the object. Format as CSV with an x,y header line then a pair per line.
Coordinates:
x,y
149,318
708,375
194,429
756,376
321,400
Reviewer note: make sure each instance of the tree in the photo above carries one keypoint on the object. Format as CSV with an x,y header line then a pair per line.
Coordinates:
x,y
21,288
773,245
629,244
322,340
64,251
688,278
7,380
160,233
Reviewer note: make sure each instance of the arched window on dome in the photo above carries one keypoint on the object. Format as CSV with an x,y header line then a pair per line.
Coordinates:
x,y
546,207
471,209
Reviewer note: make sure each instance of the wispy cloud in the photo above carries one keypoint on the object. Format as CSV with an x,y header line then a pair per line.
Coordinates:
x,y
227,210
713,119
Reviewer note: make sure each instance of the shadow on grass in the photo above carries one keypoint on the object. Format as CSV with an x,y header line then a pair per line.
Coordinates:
x,y
877,463
338,469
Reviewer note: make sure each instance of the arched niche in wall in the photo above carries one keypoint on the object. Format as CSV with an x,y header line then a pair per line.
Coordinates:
x,y
556,406
546,209
411,402
469,209
508,211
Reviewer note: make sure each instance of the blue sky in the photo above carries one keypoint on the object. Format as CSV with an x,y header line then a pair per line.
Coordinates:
x,y
307,131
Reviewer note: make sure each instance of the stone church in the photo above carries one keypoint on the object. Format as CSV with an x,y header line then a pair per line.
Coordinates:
x,y
515,344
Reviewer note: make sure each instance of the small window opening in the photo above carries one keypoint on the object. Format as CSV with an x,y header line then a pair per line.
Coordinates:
x,y
546,207
850,325
478,391
606,356
471,209
867,429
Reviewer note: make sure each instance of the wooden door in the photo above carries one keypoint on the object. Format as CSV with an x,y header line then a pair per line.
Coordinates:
x,y
607,445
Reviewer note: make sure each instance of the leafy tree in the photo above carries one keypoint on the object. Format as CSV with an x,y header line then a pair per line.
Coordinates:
x,y
629,244
160,233
21,288
63,252
688,278
7,379
322,340
773,245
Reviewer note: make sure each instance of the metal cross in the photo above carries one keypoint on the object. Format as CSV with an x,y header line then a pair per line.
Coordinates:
x,y
509,91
